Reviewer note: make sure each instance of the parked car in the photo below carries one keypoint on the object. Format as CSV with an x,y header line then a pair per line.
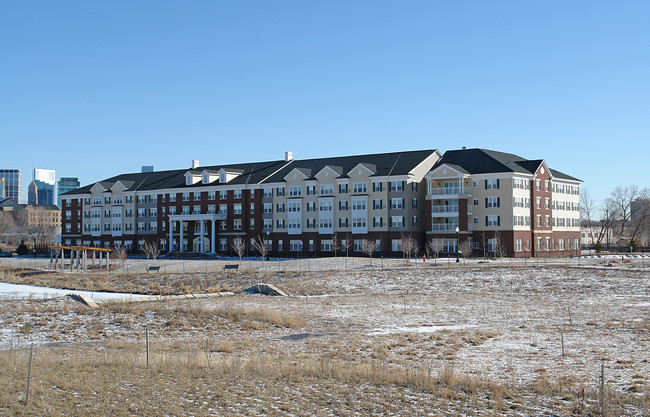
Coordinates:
x,y
5,254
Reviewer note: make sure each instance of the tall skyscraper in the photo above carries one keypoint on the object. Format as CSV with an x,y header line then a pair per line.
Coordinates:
x,y
12,183
41,189
66,184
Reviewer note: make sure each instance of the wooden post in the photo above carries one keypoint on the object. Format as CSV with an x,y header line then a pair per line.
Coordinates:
x,y
29,372
146,335
562,337
602,389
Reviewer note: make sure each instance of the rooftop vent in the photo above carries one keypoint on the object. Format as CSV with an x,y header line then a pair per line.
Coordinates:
x,y
288,156
195,163
464,147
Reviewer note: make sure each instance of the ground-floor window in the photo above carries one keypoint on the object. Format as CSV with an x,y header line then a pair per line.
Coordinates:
x,y
295,245
326,245
223,244
449,245
560,244
396,245
358,245
547,244
519,245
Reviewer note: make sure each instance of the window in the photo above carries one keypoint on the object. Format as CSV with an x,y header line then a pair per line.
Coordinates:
x,y
359,222
153,211
326,245
325,223
396,221
117,199
538,203
236,224
414,202
107,200
492,220
358,204
212,209
343,205
519,183
519,245
267,208
492,184
186,196
491,202
295,190
343,188
397,185
279,191
236,208
518,220
295,245
414,186
311,223
294,206
538,185
377,186
343,222
222,225
142,212
396,245
172,211
142,226
294,224
358,245
237,194
327,189
360,187
396,203
377,221
252,208
311,189
279,208
196,209
153,226
172,198
223,244
212,195
414,221
267,192
377,204
223,194
560,244
279,224
223,208
546,186
267,223
325,206
185,210
546,204
547,221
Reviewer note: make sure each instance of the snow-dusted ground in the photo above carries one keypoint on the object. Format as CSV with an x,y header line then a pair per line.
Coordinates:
x,y
500,320
13,291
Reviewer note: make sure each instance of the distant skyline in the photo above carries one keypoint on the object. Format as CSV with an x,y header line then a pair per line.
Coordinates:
x,y
95,89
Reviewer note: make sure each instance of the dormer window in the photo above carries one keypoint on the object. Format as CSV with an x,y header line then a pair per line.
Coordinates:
x,y
206,178
222,178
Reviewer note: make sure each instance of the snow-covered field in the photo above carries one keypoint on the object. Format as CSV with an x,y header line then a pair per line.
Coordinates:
x,y
500,321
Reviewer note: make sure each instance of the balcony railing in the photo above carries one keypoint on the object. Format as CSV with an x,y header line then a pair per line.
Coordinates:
x,y
444,209
450,191
444,227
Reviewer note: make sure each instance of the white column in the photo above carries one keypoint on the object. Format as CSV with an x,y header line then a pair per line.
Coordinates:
x,y
213,237
180,243
171,236
202,236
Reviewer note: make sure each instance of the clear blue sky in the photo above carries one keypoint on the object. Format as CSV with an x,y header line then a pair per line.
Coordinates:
x,y
94,89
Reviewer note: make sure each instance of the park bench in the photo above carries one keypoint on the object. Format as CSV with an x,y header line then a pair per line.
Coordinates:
x,y
230,266
153,268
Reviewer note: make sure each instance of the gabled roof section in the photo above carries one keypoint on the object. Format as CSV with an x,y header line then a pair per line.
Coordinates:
x,y
563,176
484,161
303,172
383,164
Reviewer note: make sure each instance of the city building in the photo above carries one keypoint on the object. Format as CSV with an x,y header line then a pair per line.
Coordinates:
x,y
2,188
41,189
499,202
65,185
12,183
147,168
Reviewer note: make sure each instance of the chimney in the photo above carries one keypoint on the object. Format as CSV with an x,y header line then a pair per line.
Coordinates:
x,y
288,156
195,163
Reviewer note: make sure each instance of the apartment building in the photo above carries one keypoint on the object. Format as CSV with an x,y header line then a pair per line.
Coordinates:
x,y
298,207
502,204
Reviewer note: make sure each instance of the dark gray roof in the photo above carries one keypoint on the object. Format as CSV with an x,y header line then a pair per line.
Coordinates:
x,y
383,164
484,161
142,181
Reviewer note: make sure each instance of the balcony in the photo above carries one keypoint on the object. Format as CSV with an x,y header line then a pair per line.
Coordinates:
x,y
444,227
444,211
448,192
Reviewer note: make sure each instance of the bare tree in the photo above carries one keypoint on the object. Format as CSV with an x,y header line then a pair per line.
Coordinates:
x,y
6,224
369,247
587,210
348,239
621,201
484,243
120,253
151,249
239,246
336,244
261,245
435,246
465,248
500,247
407,245
640,217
